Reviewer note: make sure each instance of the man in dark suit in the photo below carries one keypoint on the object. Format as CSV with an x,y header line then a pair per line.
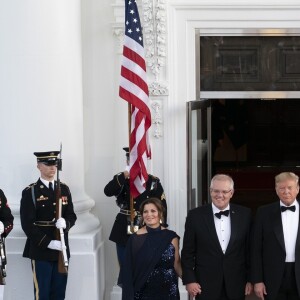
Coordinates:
x,y
38,213
119,187
215,253
276,243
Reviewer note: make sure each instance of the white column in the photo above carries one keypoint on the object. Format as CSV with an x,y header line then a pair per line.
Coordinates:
x,y
41,106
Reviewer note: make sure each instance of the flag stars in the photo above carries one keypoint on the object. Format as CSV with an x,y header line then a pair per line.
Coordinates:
x,y
137,29
131,11
135,20
129,31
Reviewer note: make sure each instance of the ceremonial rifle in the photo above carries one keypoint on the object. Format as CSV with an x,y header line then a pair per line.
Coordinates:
x,y
3,261
63,262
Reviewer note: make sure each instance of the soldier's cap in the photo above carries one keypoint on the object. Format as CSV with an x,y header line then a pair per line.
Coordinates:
x,y
47,158
126,149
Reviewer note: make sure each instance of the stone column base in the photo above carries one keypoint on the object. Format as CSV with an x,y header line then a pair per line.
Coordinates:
x,y
86,272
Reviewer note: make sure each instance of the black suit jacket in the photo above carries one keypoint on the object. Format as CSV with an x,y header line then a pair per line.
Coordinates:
x,y
203,260
268,249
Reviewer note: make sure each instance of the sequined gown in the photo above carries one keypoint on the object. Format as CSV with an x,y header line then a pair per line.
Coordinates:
x,y
163,279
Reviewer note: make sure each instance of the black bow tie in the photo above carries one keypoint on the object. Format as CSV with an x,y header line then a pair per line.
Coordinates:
x,y
284,208
220,213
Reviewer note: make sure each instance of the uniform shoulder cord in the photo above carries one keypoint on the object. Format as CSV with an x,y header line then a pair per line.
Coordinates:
x,y
33,195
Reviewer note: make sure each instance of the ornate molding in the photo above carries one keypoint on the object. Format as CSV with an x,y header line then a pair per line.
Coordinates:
x,y
154,26
119,33
158,89
156,119
153,17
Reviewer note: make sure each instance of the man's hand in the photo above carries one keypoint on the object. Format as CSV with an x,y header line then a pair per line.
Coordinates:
x,y
193,289
260,290
248,288
55,245
61,223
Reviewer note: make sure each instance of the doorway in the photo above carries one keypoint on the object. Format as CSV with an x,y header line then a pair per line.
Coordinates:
x,y
252,140
245,122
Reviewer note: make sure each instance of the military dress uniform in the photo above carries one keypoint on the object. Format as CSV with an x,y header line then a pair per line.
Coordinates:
x,y
38,213
6,216
119,187
38,219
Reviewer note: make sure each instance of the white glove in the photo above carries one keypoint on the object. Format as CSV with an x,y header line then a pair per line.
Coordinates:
x,y
61,223
127,168
55,245
1,227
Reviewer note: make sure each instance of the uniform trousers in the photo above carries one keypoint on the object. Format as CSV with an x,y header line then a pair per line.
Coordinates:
x,y
120,253
48,283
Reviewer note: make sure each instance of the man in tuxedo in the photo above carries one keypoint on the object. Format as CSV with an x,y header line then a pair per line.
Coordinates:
x,y
276,243
215,254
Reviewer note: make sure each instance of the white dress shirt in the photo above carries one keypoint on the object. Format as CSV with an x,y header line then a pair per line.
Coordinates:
x,y
223,227
46,182
290,221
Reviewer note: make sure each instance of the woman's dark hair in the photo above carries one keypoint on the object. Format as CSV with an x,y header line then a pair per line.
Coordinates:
x,y
157,203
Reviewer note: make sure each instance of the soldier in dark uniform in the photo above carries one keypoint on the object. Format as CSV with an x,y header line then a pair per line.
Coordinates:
x,y
119,187
38,212
6,225
6,218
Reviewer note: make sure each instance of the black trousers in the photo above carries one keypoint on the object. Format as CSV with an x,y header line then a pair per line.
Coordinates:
x,y
223,295
288,288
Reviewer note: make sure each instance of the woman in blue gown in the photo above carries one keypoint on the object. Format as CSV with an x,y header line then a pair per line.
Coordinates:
x,y
152,264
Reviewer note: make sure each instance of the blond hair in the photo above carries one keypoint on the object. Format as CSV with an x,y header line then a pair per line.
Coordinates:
x,y
286,176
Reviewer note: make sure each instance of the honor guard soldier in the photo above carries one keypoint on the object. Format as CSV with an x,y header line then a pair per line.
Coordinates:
x,y
119,187
6,225
38,220
6,218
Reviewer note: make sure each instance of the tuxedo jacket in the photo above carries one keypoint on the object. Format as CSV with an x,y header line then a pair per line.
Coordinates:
x,y
203,260
268,249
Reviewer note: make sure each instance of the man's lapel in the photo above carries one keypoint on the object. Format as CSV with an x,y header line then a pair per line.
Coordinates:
x,y
234,224
277,224
297,248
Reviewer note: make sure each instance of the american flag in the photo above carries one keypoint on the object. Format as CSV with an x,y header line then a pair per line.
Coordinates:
x,y
134,89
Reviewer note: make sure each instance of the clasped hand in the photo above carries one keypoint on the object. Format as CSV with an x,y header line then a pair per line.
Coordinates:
x,y
193,289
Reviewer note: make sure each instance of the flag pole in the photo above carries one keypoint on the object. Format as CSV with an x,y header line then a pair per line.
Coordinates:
x,y
132,215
